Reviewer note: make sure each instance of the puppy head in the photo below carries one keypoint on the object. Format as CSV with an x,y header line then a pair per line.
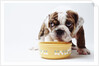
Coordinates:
x,y
62,25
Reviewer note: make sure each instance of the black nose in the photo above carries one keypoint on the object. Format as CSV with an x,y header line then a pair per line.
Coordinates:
x,y
60,32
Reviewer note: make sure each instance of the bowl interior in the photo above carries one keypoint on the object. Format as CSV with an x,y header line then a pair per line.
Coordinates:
x,y
54,42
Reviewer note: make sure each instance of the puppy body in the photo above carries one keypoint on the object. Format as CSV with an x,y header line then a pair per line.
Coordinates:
x,y
60,26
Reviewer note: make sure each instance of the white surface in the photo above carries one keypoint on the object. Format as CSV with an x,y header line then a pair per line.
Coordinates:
x,y
22,24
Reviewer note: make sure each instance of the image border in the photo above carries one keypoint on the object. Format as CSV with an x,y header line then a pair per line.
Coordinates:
x,y
51,63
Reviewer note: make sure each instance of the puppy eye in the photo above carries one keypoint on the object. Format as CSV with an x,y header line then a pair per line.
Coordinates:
x,y
52,24
68,23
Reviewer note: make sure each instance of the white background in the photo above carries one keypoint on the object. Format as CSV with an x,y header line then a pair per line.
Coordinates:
x,y
22,24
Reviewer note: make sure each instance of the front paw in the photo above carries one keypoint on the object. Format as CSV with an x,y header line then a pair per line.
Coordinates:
x,y
83,51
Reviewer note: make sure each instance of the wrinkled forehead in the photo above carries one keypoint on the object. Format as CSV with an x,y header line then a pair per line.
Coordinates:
x,y
59,16
62,17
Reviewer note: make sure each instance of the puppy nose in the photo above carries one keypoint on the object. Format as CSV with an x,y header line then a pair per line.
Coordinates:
x,y
59,32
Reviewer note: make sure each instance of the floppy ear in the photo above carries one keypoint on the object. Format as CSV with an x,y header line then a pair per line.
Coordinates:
x,y
72,14
80,37
44,29
79,33
78,25
78,21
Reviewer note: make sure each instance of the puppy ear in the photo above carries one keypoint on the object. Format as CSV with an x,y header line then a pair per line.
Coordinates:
x,y
78,25
80,22
72,14
44,29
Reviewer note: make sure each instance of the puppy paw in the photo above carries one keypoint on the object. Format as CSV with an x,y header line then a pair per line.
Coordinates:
x,y
74,48
83,51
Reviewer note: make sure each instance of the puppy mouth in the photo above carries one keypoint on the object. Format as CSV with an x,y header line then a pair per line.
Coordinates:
x,y
59,37
63,38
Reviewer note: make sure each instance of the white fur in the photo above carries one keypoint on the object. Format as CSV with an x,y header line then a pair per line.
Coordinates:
x,y
48,38
78,26
62,17
66,37
46,22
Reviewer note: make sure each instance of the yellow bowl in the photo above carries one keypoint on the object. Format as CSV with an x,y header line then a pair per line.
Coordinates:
x,y
55,50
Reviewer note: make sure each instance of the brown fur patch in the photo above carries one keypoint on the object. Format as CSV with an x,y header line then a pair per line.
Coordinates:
x,y
53,20
80,38
73,18
43,31
73,15
54,15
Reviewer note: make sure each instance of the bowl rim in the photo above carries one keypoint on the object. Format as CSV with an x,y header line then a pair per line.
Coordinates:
x,y
55,42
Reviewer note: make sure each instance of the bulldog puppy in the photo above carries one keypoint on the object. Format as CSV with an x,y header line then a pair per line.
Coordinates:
x,y
63,26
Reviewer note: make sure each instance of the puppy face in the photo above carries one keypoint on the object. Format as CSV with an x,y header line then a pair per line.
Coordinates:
x,y
61,25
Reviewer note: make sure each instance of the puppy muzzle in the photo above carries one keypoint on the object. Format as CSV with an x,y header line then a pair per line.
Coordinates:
x,y
62,33
59,32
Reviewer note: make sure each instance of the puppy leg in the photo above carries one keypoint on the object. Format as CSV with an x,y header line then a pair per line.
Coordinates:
x,y
81,42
